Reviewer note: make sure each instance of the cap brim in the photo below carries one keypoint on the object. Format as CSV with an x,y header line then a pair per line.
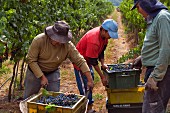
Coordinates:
x,y
58,38
113,35
134,6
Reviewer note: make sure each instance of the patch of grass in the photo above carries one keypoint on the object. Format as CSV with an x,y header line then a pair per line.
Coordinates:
x,y
4,70
108,54
113,15
96,76
98,96
72,73
64,72
8,62
18,94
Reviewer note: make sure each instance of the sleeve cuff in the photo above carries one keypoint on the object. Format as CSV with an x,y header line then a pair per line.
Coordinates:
x,y
84,67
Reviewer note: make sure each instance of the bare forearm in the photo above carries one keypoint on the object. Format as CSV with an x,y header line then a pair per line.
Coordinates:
x,y
98,70
90,83
88,75
103,65
102,61
103,78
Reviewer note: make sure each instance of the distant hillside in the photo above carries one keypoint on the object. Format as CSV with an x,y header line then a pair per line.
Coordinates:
x,y
116,2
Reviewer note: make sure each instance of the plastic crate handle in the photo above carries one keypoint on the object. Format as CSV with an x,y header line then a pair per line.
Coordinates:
x,y
130,107
124,75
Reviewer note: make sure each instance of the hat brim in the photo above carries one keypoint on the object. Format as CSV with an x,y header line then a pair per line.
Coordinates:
x,y
113,35
134,6
56,37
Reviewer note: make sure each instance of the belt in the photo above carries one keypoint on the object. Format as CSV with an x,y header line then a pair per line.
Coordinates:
x,y
149,67
43,71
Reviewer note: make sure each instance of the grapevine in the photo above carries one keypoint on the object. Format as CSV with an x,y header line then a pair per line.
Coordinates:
x,y
22,20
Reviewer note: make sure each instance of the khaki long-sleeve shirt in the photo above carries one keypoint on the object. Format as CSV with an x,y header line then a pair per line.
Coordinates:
x,y
43,56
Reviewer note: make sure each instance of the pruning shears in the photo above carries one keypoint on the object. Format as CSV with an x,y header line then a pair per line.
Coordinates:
x,y
87,92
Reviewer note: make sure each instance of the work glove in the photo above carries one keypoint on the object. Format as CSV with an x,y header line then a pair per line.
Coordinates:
x,y
137,63
151,84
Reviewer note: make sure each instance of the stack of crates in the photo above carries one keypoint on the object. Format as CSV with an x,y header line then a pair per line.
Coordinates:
x,y
124,94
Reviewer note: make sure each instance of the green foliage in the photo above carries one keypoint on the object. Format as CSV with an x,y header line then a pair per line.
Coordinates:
x,y
44,92
130,55
22,20
134,23
166,2
4,70
132,18
134,52
98,96
50,107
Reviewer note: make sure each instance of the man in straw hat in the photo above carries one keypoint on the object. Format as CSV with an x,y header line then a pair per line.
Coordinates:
x,y
92,46
47,51
155,55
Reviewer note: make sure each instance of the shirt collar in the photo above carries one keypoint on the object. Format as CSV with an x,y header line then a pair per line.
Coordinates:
x,y
149,20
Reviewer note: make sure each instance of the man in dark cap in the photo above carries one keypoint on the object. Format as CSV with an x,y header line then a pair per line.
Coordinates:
x,y
47,51
155,55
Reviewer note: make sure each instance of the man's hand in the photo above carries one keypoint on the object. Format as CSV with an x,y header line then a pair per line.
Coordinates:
x,y
44,80
104,67
137,63
104,80
90,85
151,84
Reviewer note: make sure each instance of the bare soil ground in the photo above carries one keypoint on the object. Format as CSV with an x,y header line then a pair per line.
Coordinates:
x,y
116,49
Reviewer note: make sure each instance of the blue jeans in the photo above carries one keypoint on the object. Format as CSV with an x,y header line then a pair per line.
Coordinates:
x,y
33,84
156,101
82,83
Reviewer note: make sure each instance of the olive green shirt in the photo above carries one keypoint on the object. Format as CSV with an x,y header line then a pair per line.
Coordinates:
x,y
43,56
156,47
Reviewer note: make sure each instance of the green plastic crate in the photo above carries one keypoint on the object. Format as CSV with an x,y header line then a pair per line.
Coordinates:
x,y
79,107
122,79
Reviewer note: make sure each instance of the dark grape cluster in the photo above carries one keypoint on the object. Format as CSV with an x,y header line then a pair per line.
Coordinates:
x,y
119,67
61,100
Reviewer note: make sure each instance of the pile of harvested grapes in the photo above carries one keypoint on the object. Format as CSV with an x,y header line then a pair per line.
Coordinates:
x,y
119,67
61,100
